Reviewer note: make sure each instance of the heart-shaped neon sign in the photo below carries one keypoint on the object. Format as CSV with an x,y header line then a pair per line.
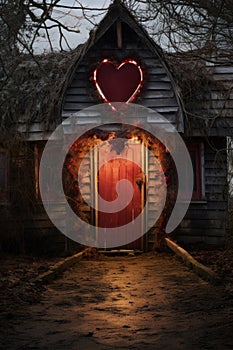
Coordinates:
x,y
118,83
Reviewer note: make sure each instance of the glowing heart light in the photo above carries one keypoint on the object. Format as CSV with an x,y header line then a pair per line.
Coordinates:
x,y
118,83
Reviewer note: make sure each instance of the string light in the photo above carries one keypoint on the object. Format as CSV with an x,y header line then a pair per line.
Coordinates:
x,y
118,67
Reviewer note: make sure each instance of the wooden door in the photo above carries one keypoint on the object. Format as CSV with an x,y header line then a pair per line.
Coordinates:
x,y
125,165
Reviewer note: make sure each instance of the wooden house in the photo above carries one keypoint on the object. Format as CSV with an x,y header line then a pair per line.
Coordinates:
x,y
203,119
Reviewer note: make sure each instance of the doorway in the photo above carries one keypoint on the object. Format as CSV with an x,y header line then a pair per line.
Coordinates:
x,y
113,163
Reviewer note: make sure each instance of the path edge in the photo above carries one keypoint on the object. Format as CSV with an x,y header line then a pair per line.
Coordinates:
x,y
57,269
201,270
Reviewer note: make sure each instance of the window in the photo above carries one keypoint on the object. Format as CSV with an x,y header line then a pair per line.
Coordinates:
x,y
3,175
196,155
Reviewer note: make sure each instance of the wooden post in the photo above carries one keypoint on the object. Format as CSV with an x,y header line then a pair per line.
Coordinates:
x,y
119,34
36,170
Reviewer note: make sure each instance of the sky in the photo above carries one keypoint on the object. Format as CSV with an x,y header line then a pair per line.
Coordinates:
x,y
73,18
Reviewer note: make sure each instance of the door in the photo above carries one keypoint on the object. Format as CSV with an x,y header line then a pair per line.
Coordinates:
x,y
115,166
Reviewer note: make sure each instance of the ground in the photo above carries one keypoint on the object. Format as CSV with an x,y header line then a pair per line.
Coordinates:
x,y
151,301
219,259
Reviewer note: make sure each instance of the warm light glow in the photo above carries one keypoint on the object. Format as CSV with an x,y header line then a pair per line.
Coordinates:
x,y
132,98
134,138
98,87
118,67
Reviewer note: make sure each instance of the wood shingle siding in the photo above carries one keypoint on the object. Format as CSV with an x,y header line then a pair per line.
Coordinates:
x,y
205,220
214,107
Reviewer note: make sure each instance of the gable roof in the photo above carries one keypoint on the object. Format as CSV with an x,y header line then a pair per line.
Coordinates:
x,y
119,12
116,11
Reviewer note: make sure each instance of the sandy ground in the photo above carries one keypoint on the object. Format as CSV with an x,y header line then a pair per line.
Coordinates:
x,y
144,302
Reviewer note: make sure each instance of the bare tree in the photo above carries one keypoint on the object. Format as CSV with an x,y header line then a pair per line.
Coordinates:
x,y
178,25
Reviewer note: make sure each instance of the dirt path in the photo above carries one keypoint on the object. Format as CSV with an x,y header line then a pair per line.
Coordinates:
x,y
144,302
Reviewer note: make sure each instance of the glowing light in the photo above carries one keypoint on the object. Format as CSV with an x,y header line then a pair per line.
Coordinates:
x,y
134,138
132,91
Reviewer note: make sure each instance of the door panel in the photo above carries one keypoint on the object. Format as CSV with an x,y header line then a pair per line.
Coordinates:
x,y
111,171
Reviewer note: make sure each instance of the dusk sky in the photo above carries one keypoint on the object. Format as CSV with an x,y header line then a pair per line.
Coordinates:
x,y
73,18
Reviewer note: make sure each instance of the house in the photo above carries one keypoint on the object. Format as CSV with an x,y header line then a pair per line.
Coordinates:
x,y
77,81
